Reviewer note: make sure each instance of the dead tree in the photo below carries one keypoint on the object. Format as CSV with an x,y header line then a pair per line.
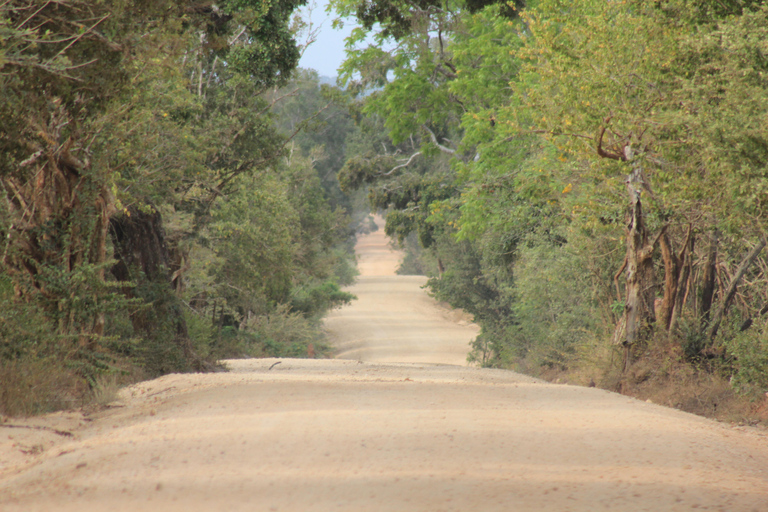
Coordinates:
x,y
639,315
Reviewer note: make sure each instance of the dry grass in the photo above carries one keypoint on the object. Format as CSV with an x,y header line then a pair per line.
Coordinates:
x,y
36,387
105,391
663,376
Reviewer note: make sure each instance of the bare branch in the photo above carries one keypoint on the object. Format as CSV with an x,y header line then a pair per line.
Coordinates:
x,y
553,132
81,36
731,290
236,37
406,164
600,151
616,278
442,148
32,15
445,72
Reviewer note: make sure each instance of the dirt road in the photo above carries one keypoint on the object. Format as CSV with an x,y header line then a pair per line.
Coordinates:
x,y
370,435
393,319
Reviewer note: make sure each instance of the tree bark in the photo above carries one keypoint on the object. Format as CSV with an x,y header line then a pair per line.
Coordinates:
x,y
675,277
638,311
671,280
59,215
708,279
139,240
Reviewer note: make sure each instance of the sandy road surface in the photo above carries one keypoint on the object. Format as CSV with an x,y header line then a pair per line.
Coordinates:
x,y
394,320
311,435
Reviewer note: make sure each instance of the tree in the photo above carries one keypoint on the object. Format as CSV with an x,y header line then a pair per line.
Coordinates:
x,y
599,128
614,92
62,65
73,157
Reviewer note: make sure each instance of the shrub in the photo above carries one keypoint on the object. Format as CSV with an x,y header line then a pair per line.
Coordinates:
x,y
282,333
37,386
749,350
319,298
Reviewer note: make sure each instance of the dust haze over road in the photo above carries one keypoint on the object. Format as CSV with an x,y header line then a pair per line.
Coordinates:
x,y
382,430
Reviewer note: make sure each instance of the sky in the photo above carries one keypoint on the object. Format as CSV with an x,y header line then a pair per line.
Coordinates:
x,y
326,54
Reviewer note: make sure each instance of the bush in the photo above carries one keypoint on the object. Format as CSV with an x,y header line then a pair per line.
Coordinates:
x,y
282,333
37,386
319,298
553,304
34,377
749,350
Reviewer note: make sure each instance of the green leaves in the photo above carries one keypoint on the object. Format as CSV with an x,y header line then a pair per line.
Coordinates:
x,y
159,110
535,117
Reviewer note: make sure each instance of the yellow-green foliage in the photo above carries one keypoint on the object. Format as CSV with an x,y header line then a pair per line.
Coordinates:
x,y
529,232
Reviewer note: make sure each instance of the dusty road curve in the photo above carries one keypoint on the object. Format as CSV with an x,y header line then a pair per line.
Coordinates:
x,y
312,435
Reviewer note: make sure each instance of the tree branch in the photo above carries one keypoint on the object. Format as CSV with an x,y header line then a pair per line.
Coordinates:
x,y
553,132
600,151
406,164
442,148
729,293
217,190
616,278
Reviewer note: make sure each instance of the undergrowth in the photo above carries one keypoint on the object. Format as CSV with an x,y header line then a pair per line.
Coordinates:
x,y
663,374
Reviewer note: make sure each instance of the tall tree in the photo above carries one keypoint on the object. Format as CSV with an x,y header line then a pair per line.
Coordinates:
x,y
72,75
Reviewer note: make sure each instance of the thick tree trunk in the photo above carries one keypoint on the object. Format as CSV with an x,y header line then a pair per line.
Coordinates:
x,y
139,241
671,279
639,308
143,257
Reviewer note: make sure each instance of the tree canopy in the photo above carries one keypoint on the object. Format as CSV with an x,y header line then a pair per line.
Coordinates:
x,y
583,175
157,214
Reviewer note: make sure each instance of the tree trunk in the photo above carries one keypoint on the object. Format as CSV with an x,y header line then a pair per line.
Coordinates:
x,y
638,311
686,259
671,280
675,279
139,240
708,279
144,258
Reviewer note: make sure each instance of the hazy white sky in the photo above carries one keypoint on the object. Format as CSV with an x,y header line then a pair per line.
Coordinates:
x,y
326,54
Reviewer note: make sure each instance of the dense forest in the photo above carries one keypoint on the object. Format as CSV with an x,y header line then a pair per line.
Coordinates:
x,y
587,178
170,193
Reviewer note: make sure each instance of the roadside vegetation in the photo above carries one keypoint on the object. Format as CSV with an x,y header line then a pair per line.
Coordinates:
x,y
589,179
169,194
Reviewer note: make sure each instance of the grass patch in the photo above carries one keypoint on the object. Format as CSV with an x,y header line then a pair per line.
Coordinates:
x,y
38,386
